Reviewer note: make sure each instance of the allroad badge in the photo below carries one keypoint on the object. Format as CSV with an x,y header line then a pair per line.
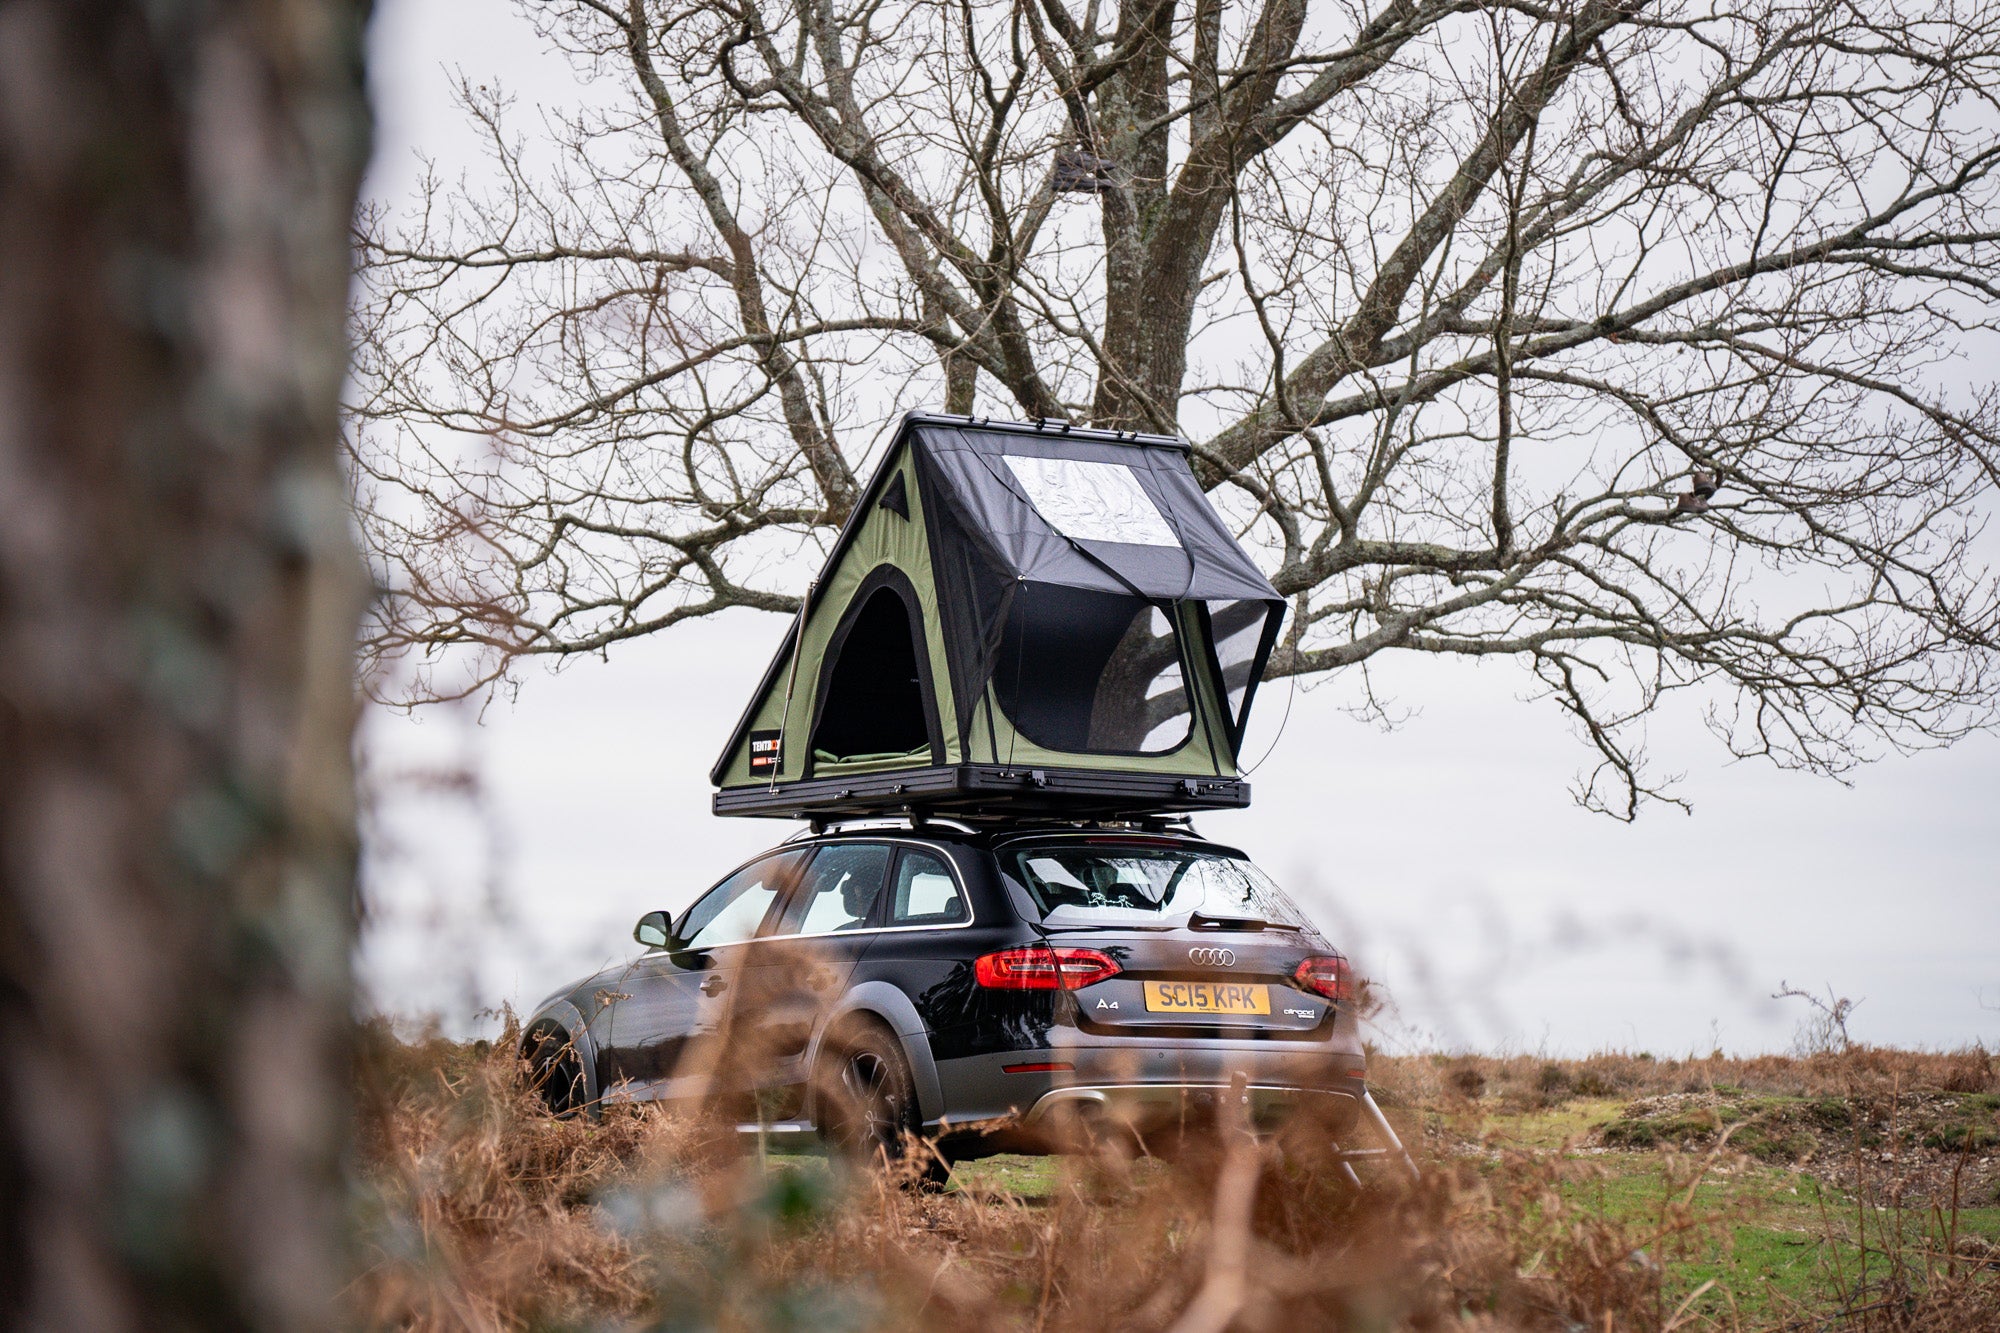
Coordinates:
x,y
1212,957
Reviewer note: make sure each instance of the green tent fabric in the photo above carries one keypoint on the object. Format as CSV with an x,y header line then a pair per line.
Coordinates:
x,y
1015,618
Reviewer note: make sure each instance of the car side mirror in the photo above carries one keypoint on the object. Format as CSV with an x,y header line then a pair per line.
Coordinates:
x,y
654,930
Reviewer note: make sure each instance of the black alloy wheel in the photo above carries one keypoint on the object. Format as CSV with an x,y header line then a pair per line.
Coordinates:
x,y
555,1073
867,1106
867,1081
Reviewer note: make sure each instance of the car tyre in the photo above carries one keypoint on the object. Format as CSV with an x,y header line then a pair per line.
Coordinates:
x,y
555,1073
865,1108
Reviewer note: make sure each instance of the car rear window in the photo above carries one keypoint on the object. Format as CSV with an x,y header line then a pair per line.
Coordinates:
x,y
1145,884
925,893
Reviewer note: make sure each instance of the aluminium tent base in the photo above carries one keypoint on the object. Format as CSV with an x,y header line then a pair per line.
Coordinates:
x,y
974,789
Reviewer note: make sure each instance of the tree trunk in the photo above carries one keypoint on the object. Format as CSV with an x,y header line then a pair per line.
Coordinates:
x,y
1145,328
178,598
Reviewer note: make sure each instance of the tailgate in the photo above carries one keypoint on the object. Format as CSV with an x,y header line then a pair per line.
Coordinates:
x,y
1198,983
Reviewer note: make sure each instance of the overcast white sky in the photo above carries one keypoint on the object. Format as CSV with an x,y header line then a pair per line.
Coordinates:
x,y
1446,853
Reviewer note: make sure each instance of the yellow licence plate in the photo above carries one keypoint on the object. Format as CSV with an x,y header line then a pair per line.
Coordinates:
x,y
1206,997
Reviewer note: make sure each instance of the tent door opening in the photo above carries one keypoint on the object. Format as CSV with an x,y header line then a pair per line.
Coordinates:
x,y
1092,673
875,705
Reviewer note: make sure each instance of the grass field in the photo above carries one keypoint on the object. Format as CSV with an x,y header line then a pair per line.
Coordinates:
x,y
1853,1191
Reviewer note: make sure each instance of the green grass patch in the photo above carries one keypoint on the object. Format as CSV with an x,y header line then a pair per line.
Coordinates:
x,y
1007,1174
1963,1136
1770,1128
1777,1240
1553,1126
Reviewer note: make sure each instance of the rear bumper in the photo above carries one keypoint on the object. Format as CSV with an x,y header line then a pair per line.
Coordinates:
x,y
1147,1083
1184,1107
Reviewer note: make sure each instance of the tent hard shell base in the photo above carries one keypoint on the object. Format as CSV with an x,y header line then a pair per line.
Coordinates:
x,y
988,788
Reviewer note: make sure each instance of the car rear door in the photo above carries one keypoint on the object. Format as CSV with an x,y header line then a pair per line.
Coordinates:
x,y
800,968
931,933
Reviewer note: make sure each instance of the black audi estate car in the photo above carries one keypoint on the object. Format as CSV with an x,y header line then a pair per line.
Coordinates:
x,y
987,988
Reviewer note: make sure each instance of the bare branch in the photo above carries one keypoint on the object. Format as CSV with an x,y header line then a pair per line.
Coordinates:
x,y
1644,346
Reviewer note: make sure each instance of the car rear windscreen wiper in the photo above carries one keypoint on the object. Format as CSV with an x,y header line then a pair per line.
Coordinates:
x,y
1203,921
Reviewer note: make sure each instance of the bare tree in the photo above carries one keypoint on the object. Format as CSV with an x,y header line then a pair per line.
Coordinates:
x,y
1645,344
1824,1030
178,599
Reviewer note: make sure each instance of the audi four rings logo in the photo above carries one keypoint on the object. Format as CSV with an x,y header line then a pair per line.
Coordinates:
x,y
1213,957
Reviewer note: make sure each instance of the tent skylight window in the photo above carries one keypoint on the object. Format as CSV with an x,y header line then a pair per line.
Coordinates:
x,y
1088,501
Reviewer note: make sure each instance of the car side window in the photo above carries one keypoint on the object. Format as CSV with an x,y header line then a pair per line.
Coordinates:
x,y
730,912
925,894
839,890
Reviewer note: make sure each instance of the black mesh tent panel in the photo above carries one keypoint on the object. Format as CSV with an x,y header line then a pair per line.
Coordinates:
x,y
1241,635
974,587
998,500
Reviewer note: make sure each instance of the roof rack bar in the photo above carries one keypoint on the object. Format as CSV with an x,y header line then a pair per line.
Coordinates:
x,y
975,821
817,824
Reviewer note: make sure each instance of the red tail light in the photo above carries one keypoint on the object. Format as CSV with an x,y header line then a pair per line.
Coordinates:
x,y
1040,967
1331,977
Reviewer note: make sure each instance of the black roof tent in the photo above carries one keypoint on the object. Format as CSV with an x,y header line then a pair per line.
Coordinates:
x,y
1019,618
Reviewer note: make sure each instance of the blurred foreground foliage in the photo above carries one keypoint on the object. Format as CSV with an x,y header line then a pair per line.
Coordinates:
x,y
1612,1193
